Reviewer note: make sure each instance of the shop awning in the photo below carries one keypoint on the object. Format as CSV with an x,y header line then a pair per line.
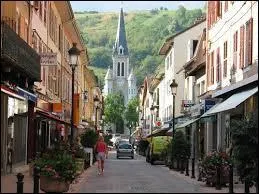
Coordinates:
x,y
182,125
208,113
233,101
186,123
158,132
52,117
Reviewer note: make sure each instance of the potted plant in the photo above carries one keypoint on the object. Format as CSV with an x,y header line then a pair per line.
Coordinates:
x,y
209,165
57,170
80,157
88,140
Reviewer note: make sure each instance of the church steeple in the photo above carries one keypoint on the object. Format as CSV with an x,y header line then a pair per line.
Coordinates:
x,y
120,47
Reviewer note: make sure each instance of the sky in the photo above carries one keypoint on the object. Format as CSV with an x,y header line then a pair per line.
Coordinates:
x,y
111,6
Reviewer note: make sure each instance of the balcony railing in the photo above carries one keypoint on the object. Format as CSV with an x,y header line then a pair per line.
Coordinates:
x,y
16,50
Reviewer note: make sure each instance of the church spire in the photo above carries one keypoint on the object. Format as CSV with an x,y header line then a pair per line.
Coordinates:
x,y
120,46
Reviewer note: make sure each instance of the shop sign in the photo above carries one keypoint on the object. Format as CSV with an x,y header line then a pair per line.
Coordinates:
x,y
48,59
27,95
187,103
208,103
57,107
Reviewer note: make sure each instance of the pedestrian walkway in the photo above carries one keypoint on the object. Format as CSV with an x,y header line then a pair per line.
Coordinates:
x,y
9,185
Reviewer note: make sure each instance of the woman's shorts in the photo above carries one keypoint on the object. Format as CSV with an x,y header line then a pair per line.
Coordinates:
x,y
100,156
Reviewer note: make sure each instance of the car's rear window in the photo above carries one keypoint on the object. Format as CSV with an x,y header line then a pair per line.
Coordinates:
x,y
125,146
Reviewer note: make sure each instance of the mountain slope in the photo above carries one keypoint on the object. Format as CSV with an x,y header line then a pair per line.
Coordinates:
x,y
145,31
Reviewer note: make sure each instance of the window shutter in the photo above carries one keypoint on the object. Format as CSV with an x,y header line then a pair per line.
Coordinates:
x,y
241,64
208,69
226,6
250,45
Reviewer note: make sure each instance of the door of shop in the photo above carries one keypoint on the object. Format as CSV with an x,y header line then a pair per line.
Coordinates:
x,y
20,138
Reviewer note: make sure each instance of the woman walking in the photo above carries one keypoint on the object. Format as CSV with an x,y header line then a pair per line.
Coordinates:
x,y
102,153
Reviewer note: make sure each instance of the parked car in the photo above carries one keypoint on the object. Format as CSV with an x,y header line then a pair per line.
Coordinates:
x,y
125,150
121,141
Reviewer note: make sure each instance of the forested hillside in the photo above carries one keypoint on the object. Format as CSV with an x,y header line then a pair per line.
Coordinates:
x,y
145,30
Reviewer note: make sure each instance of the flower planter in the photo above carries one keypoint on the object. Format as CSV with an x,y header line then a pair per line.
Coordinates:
x,y
54,185
80,165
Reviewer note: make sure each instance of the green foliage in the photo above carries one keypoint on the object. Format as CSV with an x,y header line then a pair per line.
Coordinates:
x,y
180,147
245,147
142,146
145,31
89,138
107,139
131,113
114,108
57,164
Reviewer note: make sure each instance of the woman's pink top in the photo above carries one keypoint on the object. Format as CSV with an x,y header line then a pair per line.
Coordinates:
x,y
101,147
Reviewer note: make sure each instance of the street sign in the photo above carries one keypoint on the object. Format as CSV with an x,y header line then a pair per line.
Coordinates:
x,y
48,59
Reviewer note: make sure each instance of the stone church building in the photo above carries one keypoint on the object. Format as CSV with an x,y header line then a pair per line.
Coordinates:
x,y
120,79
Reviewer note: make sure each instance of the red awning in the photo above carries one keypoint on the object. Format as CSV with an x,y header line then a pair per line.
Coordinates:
x,y
52,117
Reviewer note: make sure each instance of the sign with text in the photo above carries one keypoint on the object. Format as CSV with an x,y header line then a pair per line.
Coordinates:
x,y
208,104
187,103
48,59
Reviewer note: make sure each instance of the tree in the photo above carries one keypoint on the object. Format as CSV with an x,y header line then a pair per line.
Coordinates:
x,y
131,113
245,147
114,109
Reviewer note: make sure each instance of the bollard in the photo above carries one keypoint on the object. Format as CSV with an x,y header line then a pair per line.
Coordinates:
x,y
218,182
177,164
182,165
36,178
230,187
193,170
20,177
247,187
187,167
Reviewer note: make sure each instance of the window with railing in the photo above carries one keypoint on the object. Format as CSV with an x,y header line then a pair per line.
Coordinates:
x,y
225,59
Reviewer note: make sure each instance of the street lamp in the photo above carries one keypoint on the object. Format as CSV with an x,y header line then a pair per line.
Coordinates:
x,y
73,58
173,87
96,103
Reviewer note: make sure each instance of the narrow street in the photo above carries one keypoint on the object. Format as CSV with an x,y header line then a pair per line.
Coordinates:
x,y
134,176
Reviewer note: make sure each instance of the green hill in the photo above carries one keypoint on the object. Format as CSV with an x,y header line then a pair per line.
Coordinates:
x,y
145,30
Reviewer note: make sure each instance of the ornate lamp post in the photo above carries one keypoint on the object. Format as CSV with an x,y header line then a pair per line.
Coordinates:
x,y
96,103
73,59
173,87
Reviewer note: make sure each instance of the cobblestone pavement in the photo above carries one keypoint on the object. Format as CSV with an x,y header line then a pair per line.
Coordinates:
x,y
135,176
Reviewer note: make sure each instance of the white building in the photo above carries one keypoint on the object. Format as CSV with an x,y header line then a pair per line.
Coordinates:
x,y
177,52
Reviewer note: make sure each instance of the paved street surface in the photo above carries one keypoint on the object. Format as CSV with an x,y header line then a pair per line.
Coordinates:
x,y
135,176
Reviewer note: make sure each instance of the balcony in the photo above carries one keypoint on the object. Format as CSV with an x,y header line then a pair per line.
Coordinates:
x,y
18,53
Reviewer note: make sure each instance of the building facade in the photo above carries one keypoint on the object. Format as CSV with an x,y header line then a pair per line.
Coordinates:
x,y
176,50
232,63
